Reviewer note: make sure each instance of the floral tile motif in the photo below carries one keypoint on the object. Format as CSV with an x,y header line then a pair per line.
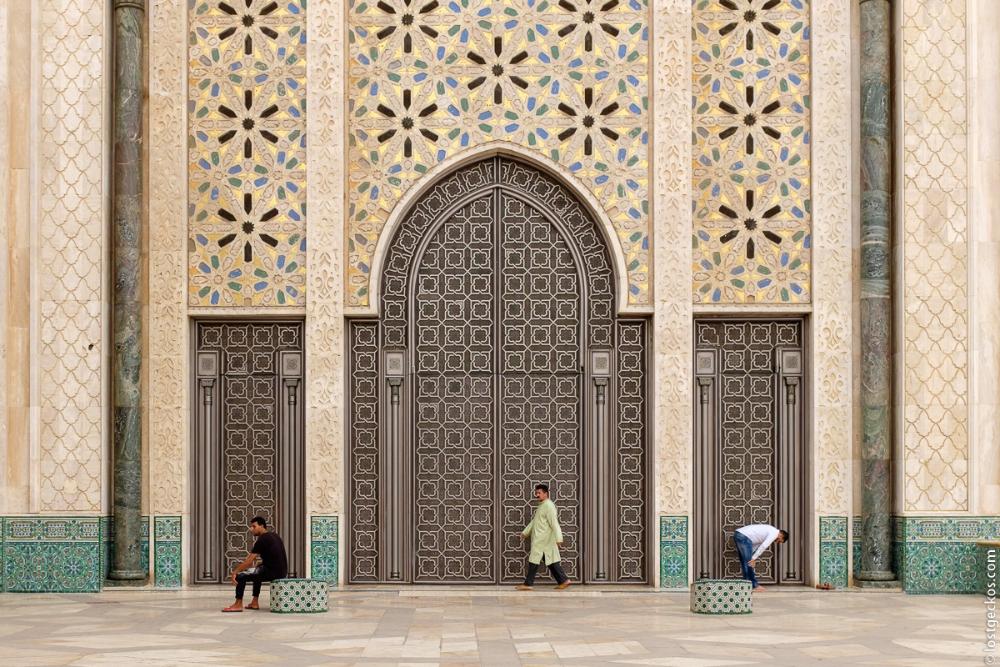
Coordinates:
x,y
751,155
323,549
833,550
430,79
167,559
246,149
673,551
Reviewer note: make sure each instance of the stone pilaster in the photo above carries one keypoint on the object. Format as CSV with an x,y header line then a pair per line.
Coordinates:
x,y
876,299
127,323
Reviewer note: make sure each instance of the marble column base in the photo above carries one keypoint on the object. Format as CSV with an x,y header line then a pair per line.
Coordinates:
x,y
127,579
881,584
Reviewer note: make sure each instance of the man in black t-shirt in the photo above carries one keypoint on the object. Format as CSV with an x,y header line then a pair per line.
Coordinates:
x,y
274,564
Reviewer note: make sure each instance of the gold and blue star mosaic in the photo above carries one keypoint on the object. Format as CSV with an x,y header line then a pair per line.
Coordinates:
x,y
429,79
751,157
246,148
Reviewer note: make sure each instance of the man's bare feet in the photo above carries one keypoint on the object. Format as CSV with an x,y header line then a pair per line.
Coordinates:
x,y
759,589
564,585
236,606
522,587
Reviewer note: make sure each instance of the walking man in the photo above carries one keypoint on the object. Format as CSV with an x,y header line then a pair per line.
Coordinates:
x,y
274,564
546,536
751,541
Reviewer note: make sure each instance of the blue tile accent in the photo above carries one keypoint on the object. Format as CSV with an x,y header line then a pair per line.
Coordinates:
x,y
673,552
323,549
167,559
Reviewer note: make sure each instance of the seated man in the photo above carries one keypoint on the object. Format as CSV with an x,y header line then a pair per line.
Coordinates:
x,y
274,564
751,541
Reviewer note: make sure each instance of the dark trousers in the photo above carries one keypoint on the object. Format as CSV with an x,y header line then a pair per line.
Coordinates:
x,y
744,549
256,577
554,568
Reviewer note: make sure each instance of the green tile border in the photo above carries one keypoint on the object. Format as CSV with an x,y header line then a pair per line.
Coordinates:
x,y
168,552
935,554
673,552
833,550
324,543
57,554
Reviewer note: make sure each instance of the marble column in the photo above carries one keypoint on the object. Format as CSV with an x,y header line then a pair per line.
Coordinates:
x,y
128,172
876,295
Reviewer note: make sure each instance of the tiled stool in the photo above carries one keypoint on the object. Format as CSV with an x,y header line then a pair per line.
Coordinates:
x,y
721,596
298,596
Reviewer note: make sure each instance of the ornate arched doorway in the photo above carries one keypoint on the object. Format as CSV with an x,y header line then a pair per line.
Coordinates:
x,y
497,362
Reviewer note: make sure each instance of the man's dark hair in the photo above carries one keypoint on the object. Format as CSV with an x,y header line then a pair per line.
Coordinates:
x,y
542,487
784,535
260,521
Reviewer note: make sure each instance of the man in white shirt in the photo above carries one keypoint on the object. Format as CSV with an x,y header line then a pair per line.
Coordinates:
x,y
751,541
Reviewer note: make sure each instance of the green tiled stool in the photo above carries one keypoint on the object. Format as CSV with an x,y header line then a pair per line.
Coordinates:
x,y
721,596
298,596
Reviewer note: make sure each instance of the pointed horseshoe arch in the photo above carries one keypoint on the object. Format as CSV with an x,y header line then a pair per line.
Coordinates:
x,y
498,361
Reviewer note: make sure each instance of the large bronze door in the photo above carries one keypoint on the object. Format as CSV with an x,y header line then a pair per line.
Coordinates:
x,y
248,445
748,443
494,367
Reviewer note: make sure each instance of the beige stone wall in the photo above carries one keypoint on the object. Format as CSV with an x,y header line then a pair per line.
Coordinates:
x,y
933,255
984,231
15,298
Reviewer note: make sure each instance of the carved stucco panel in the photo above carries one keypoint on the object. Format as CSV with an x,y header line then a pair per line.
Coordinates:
x,y
832,254
168,256
325,278
935,256
70,192
671,47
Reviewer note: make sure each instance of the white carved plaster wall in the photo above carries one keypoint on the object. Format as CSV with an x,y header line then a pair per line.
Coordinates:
x,y
984,219
168,347
69,217
934,256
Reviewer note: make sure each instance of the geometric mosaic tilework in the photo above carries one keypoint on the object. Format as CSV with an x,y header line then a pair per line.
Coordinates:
x,y
298,596
939,553
721,596
934,235
167,559
52,554
673,552
323,549
833,550
936,554
428,80
751,155
246,146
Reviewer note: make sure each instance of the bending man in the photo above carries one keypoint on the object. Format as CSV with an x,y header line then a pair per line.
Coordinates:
x,y
751,541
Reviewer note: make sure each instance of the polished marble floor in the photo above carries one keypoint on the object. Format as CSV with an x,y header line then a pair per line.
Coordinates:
x,y
461,626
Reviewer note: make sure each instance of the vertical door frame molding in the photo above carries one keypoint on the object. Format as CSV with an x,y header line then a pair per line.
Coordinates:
x,y
792,377
206,401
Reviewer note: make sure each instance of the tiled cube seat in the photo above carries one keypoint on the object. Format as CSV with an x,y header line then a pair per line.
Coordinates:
x,y
298,596
721,596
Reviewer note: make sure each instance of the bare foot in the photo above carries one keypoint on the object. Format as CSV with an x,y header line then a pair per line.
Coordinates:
x,y
759,589
522,587
564,585
253,605
234,607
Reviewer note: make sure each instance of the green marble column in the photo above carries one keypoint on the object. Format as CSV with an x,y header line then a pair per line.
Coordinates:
x,y
876,294
126,563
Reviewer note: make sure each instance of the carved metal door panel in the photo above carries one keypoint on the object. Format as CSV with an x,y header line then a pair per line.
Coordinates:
x,y
248,441
494,368
748,442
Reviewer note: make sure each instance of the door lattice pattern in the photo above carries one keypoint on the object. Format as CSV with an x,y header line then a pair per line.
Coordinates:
x,y
747,415
249,355
489,286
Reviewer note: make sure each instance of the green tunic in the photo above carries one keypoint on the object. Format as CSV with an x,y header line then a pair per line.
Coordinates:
x,y
545,534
